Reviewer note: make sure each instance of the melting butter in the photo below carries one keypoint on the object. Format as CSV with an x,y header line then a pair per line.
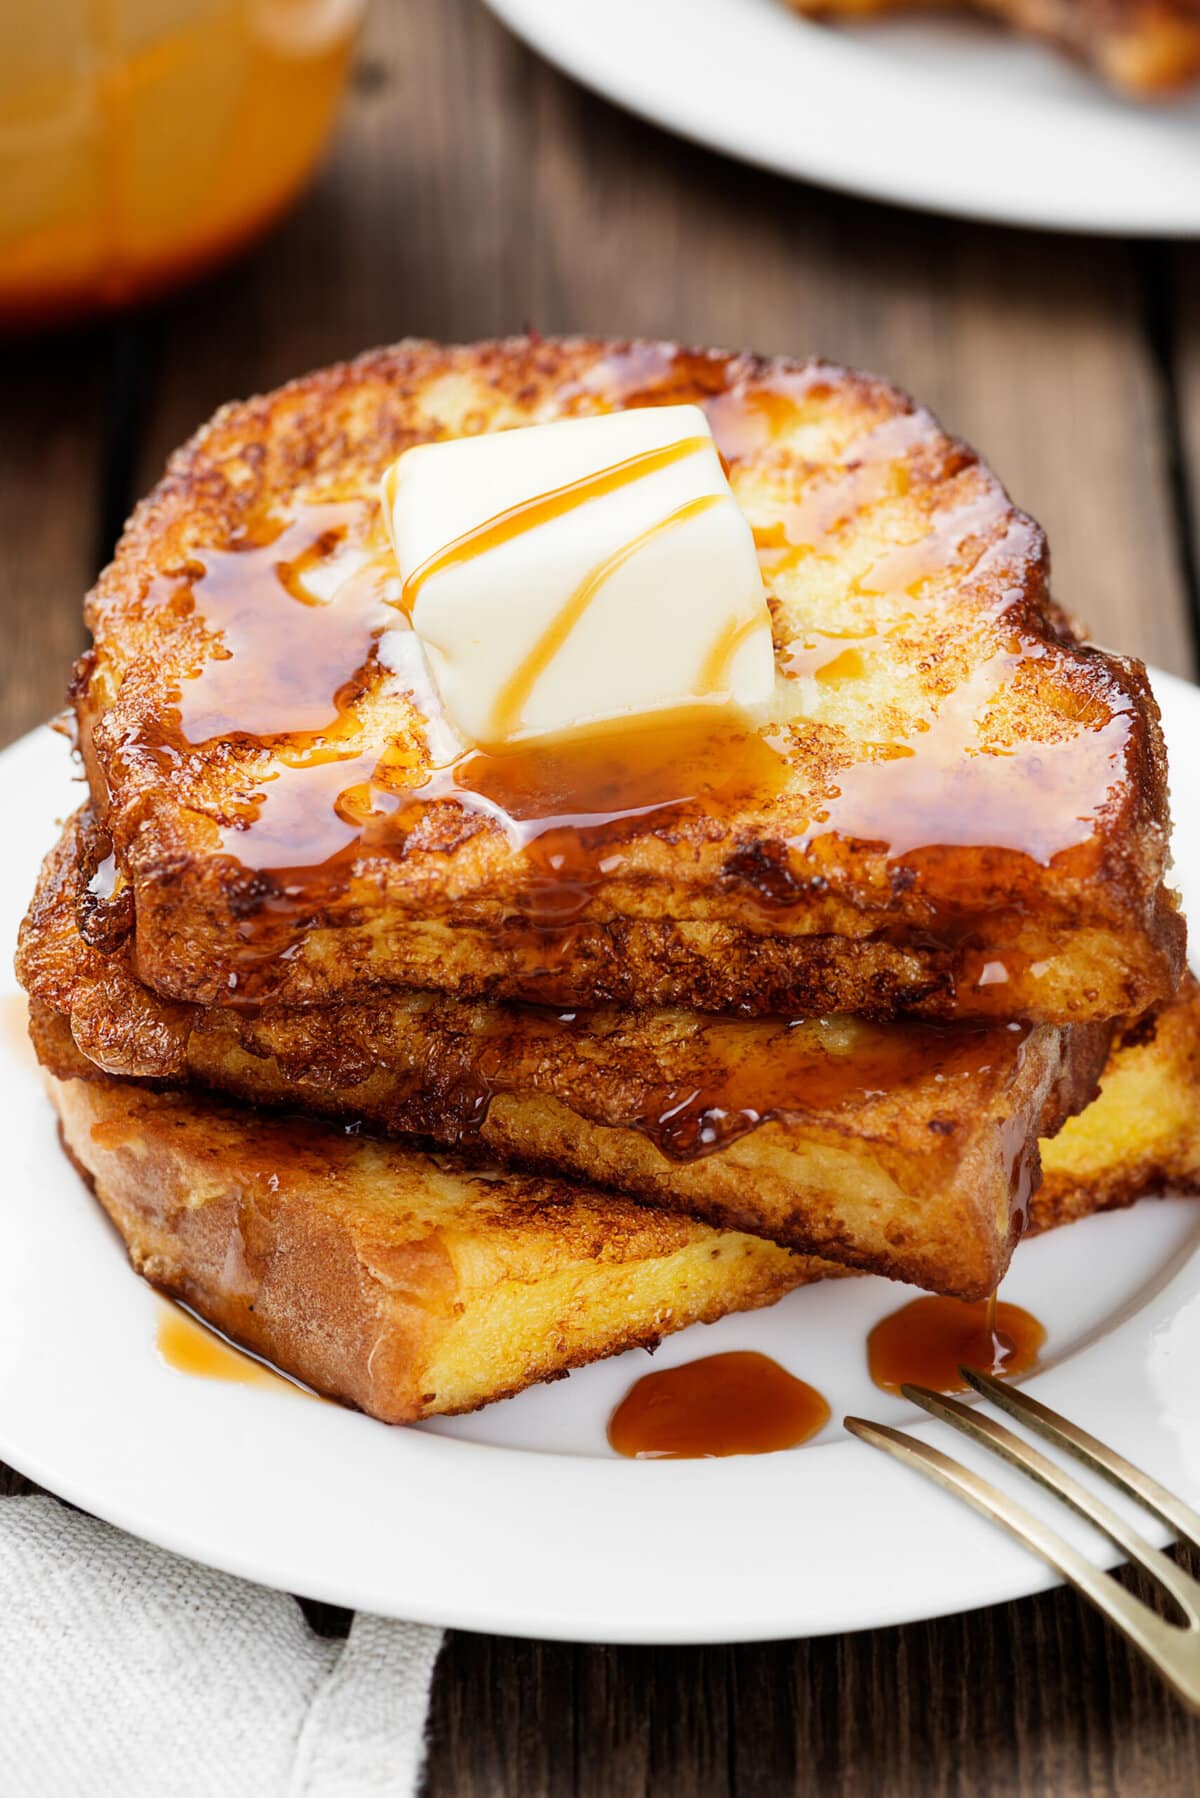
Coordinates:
x,y
568,575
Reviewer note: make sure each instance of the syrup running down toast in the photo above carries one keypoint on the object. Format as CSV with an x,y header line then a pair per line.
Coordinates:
x,y
902,1147
955,808
410,1285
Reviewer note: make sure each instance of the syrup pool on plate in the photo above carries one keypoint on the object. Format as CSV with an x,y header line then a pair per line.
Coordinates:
x,y
734,1404
190,1347
927,1341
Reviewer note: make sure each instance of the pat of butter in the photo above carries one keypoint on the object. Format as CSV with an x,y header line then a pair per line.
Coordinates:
x,y
565,575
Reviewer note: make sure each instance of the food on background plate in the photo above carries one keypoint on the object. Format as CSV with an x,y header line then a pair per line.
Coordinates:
x,y
442,787
1144,48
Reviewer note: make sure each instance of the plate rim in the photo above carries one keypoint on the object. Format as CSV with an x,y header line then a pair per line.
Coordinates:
x,y
568,37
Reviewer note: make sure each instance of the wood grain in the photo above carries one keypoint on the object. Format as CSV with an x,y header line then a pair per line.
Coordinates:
x,y
52,445
475,192
1031,1698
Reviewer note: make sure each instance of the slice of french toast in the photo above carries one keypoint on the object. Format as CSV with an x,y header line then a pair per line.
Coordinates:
x,y
399,1282
1142,1132
407,1285
1144,47
956,808
906,1148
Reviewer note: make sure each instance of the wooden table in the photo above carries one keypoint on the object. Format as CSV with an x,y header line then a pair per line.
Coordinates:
x,y
473,192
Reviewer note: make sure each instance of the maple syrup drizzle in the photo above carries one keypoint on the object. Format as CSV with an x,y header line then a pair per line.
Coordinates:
x,y
515,693
902,572
849,665
779,1070
907,568
729,1076
569,803
530,514
714,670
816,654
283,653
927,1341
562,802
285,678
641,374
947,792
306,819
734,1404
748,418
191,1347
875,469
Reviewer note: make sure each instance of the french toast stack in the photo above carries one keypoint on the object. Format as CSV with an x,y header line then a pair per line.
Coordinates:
x,y
427,1074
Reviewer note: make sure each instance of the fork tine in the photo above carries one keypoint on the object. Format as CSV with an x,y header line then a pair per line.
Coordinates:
x,y
1159,1641
992,1435
1057,1429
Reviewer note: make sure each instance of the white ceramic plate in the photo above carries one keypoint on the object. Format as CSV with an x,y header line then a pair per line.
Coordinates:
x,y
952,114
520,1520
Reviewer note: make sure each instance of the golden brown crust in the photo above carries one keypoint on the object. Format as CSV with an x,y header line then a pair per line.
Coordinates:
x,y
1142,1133
388,1279
901,1149
874,526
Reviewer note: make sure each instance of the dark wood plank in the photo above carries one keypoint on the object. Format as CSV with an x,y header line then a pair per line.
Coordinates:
x,y
1037,1698
53,439
413,229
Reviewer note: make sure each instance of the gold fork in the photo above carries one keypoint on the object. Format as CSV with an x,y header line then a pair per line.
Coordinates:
x,y
1173,1649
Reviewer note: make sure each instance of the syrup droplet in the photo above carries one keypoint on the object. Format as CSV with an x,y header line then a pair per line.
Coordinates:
x,y
926,1342
735,1404
14,1023
191,1347
282,651
568,805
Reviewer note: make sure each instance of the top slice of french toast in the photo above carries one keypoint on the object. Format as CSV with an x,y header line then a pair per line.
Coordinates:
x,y
957,807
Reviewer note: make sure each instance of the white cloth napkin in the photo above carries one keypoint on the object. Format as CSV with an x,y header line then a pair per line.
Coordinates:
x,y
128,1673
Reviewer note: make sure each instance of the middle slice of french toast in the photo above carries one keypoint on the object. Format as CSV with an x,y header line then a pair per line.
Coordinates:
x,y
905,1148
413,1284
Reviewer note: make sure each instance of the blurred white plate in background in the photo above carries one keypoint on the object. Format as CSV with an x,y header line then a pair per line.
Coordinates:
x,y
955,115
